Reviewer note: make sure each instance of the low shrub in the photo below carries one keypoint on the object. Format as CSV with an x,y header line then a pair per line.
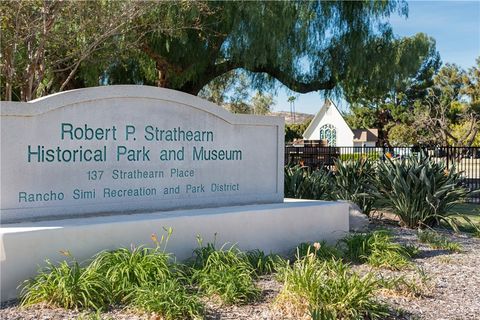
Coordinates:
x,y
168,299
67,285
127,269
354,181
386,254
303,183
228,275
438,241
328,289
420,192
377,249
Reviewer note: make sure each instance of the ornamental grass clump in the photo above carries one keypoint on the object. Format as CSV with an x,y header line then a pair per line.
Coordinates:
x,y
67,285
228,275
263,263
419,191
377,249
328,289
438,241
169,299
127,269
322,249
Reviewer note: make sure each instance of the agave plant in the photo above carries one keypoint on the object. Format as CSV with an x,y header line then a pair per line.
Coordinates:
x,y
354,181
419,191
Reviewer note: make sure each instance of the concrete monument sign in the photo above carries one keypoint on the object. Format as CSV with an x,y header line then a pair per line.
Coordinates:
x,y
127,148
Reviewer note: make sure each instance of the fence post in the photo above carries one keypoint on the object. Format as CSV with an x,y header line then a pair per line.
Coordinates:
x,y
448,157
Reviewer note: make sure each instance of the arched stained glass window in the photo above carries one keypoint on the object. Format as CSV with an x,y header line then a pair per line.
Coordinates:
x,y
329,133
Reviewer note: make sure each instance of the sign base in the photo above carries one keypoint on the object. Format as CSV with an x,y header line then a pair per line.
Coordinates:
x,y
277,227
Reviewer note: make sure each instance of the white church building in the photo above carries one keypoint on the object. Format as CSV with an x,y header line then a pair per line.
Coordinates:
x,y
328,124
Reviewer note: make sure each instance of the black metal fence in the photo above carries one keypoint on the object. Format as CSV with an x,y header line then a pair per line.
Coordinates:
x,y
465,159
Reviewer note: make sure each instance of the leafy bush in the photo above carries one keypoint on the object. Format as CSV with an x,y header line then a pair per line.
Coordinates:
x,y
438,241
328,290
418,190
67,285
228,275
169,299
376,249
303,183
127,269
354,181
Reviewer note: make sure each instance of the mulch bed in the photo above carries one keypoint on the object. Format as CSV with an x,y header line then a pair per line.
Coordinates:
x,y
453,290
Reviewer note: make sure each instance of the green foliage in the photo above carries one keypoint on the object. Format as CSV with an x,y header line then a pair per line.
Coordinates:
x,y
393,111
438,241
268,39
67,285
466,218
202,252
354,181
462,132
376,249
370,156
169,299
303,183
262,263
355,246
228,275
402,135
262,103
416,285
362,117
323,250
128,269
295,130
418,190
386,254
328,290
185,45
450,111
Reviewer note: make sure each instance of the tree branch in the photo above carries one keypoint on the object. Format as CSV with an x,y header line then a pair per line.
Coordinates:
x,y
295,85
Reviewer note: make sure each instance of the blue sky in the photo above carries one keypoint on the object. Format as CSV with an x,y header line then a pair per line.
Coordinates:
x,y
455,25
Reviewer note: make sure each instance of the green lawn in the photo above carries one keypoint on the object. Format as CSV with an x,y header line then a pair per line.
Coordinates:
x,y
472,212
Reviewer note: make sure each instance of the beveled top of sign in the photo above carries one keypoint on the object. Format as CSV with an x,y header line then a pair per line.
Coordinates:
x,y
78,96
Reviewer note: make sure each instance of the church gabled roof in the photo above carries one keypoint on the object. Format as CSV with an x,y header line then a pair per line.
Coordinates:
x,y
318,117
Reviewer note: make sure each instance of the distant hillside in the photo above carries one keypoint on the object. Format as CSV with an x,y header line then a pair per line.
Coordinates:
x,y
299,117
